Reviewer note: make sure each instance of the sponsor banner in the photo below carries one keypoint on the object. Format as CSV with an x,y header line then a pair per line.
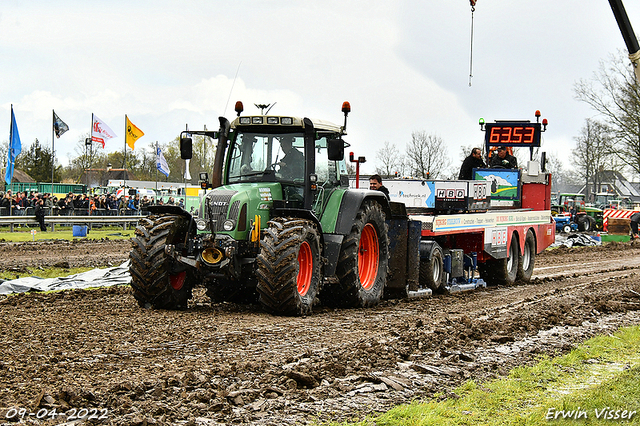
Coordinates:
x,y
471,221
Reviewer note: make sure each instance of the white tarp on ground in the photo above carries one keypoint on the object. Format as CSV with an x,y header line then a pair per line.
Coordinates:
x,y
118,275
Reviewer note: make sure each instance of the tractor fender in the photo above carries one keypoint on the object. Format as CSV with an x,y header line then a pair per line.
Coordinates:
x,y
351,202
176,210
164,208
350,205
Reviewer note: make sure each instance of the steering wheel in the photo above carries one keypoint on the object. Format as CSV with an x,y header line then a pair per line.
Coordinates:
x,y
273,167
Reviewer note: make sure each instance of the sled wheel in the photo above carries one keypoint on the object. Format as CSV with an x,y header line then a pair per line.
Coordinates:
x,y
503,271
289,269
156,279
363,261
527,259
432,270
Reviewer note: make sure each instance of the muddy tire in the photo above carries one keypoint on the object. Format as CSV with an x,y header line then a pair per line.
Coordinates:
x,y
289,267
586,223
156,279
502,271
363,261
432,270
527,258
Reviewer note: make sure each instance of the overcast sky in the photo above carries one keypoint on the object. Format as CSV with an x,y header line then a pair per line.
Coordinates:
x,y
403,66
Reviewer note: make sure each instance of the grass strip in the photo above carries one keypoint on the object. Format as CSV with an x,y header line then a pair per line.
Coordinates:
x,y
52,272
596,383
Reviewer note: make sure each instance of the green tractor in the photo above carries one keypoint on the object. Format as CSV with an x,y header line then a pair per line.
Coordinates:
x,y
279,225
586,217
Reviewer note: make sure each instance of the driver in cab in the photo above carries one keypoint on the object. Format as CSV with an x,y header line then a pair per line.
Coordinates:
x,y
503,159
292,164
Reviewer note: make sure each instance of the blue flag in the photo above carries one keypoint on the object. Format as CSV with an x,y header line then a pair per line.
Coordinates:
x,y
161,163
15,148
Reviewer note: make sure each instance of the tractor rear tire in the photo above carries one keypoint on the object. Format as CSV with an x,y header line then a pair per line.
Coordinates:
x,y
157,280
584,224
432,270
289,267
502,271
363,261
527,259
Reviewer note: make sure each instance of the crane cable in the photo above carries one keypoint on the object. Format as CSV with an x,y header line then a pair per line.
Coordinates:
x,y
473,9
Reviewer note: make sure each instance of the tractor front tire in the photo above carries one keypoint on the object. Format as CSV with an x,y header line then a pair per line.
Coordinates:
x,y
363,261
289,267
157,280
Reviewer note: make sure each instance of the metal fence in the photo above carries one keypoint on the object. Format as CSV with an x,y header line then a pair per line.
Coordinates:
x,y
57,211
52,221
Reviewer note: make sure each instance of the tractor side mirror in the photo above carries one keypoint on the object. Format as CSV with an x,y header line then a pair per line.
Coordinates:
x,y
335,149
186,147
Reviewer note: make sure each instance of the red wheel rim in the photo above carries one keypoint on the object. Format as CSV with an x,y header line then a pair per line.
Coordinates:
x,y
177,280
305,268
368,256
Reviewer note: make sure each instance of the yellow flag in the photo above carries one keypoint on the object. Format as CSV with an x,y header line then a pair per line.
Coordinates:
x,y
133,133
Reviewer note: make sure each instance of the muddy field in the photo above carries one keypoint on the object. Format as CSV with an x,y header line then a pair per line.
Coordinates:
x,y
97,353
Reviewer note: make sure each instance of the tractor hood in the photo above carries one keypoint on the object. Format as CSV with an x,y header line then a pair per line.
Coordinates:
x,y
230,209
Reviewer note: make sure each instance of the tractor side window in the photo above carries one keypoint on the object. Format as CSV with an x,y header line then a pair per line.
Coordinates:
x,y
243,157
327,171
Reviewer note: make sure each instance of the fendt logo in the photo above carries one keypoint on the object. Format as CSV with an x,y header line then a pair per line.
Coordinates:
x,y
450,193
219,203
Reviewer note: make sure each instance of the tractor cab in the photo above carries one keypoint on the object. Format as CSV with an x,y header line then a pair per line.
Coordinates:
x,y
268,166
305,157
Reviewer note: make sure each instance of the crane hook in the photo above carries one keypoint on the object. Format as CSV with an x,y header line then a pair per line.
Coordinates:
x,y
473,9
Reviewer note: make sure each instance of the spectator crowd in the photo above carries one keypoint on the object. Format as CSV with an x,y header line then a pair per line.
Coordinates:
x,y
23,204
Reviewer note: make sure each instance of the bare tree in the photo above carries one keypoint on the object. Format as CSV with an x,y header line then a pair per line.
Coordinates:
x,y
592,153
88,156
615,94
427,155
389,158
559,176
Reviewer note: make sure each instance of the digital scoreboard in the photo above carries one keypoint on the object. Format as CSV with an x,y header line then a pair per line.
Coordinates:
x,y
513,134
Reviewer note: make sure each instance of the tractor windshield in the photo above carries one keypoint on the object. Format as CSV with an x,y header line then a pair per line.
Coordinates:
x,y
267,157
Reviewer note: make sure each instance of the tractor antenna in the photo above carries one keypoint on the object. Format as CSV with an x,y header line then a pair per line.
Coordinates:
x,y
272,105
262,107
231,91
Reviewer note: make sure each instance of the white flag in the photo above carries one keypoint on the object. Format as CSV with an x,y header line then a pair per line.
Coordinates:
x,y
161,163
100,131
187,175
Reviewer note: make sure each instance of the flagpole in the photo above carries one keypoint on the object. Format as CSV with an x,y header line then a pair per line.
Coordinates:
x,y
9,155
125,153
90,138
156,200
53,150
